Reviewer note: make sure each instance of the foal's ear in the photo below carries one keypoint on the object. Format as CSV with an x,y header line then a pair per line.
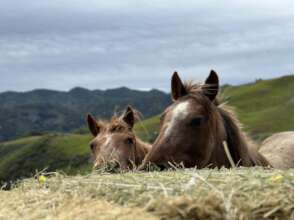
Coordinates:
x,y
129,116
211,87
177,87
93,125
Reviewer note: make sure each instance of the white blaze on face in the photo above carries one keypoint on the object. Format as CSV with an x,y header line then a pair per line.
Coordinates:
x,y
107,141
178,113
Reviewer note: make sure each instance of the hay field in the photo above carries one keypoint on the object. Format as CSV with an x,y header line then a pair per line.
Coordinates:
x,y
239,193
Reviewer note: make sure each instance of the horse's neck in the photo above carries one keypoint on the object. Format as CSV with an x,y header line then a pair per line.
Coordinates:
x,y
142,149
241,148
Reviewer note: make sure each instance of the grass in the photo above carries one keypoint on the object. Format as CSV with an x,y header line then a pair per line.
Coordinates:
x,y
22,158
243,193
148,129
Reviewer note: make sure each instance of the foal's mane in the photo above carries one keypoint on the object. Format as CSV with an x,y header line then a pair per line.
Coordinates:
x,y
116,121
241,147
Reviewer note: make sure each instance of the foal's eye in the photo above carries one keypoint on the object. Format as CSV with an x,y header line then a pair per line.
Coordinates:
x,y
115,129
129,141
196,122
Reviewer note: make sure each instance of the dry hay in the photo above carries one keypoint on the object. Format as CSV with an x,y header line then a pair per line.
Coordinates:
x,y
241,193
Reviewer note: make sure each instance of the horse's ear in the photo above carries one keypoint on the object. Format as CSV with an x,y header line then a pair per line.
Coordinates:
x,y
211,87
93,125
129,116
177,87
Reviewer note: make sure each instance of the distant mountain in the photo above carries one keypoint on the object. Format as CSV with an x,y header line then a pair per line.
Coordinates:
x,y
39,111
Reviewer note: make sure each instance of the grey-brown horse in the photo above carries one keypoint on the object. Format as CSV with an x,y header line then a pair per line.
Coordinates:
x,y
278,149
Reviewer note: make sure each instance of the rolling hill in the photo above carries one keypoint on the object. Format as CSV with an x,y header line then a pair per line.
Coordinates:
x,y
24,157
264,107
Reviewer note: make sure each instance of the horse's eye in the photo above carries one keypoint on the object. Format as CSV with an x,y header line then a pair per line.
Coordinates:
x,y
115,129
92,146
129,141
112,130
196,122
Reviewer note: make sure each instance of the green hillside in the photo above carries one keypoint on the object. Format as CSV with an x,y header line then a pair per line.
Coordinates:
x,y
24,157
264,107
148,129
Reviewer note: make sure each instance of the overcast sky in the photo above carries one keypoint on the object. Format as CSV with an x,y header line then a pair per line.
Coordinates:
x,y
105,44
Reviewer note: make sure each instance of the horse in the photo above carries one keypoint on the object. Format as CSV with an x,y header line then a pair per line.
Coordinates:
x,y
197,131
279,150
115,141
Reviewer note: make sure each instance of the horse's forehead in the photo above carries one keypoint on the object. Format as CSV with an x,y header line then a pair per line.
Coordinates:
x,y
104,138
179,112
108,136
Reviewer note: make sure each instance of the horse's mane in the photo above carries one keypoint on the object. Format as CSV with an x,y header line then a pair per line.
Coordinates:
x,y
241,147
117,122
193,88
196,88
237,141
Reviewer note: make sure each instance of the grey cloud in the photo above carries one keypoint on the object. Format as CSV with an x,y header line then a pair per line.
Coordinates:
x,y
102,44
